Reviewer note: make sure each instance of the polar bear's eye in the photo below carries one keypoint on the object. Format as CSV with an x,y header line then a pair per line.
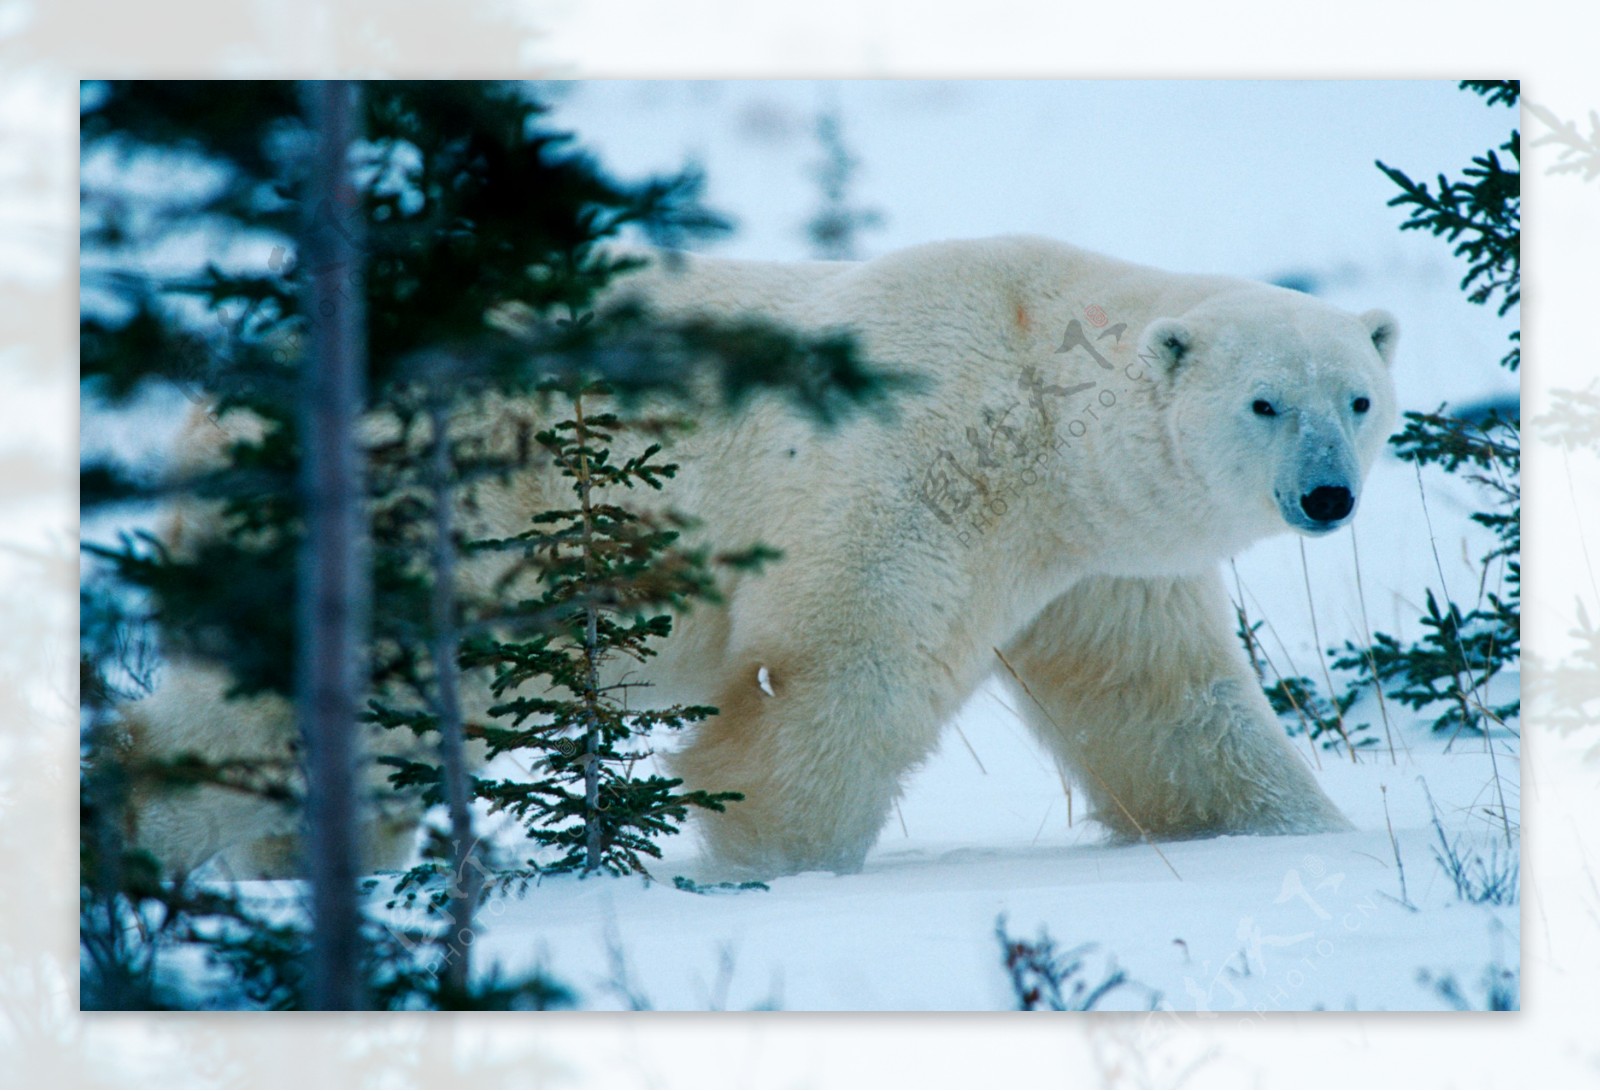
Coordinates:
x,y
1361,405
1263,408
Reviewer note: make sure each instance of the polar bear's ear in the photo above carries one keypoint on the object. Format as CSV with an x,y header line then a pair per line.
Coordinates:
x,y
1170,340
1384,329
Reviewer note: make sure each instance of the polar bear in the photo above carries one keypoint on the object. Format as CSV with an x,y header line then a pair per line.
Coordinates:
x,y
1088,440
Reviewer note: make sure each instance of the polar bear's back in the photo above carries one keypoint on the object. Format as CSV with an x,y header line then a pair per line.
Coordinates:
x,y
922,298
677,285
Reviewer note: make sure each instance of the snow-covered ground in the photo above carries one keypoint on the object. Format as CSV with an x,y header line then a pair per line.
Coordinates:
x,y
1228,925
1256,179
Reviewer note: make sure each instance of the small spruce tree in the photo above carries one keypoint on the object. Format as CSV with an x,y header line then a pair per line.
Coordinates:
x,y
1463,650
606,574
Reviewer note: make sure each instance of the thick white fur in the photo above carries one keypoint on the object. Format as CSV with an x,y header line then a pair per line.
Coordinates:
x,y
1093,564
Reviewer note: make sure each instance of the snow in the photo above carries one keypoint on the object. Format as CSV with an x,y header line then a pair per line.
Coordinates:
x,y
1246,925
1250,178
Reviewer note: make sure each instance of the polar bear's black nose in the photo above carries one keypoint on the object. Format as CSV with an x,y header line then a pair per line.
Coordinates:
x,y
1326,503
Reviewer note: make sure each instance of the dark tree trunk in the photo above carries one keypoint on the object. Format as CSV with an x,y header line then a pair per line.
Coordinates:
x,y
466,879
335,589
593,844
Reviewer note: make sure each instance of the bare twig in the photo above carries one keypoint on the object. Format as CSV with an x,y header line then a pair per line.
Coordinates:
x,y
1316,635
1366,633
465,878
1394,843
971,751
1283,688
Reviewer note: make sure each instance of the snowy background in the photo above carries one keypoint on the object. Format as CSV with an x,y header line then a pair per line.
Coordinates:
x,y
1258,179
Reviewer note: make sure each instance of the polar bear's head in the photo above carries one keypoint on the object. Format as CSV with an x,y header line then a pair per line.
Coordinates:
x,y
1277,401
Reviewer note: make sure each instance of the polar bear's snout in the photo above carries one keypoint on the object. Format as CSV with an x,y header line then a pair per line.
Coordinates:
x,y
1317,487
1328,503
1318,509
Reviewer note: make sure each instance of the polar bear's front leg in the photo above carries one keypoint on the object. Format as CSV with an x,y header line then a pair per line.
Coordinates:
x,y
1148,699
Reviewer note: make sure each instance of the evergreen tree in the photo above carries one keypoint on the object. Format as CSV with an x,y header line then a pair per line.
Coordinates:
x,y
474,219
606,572
1480,213
1463,650
835,227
